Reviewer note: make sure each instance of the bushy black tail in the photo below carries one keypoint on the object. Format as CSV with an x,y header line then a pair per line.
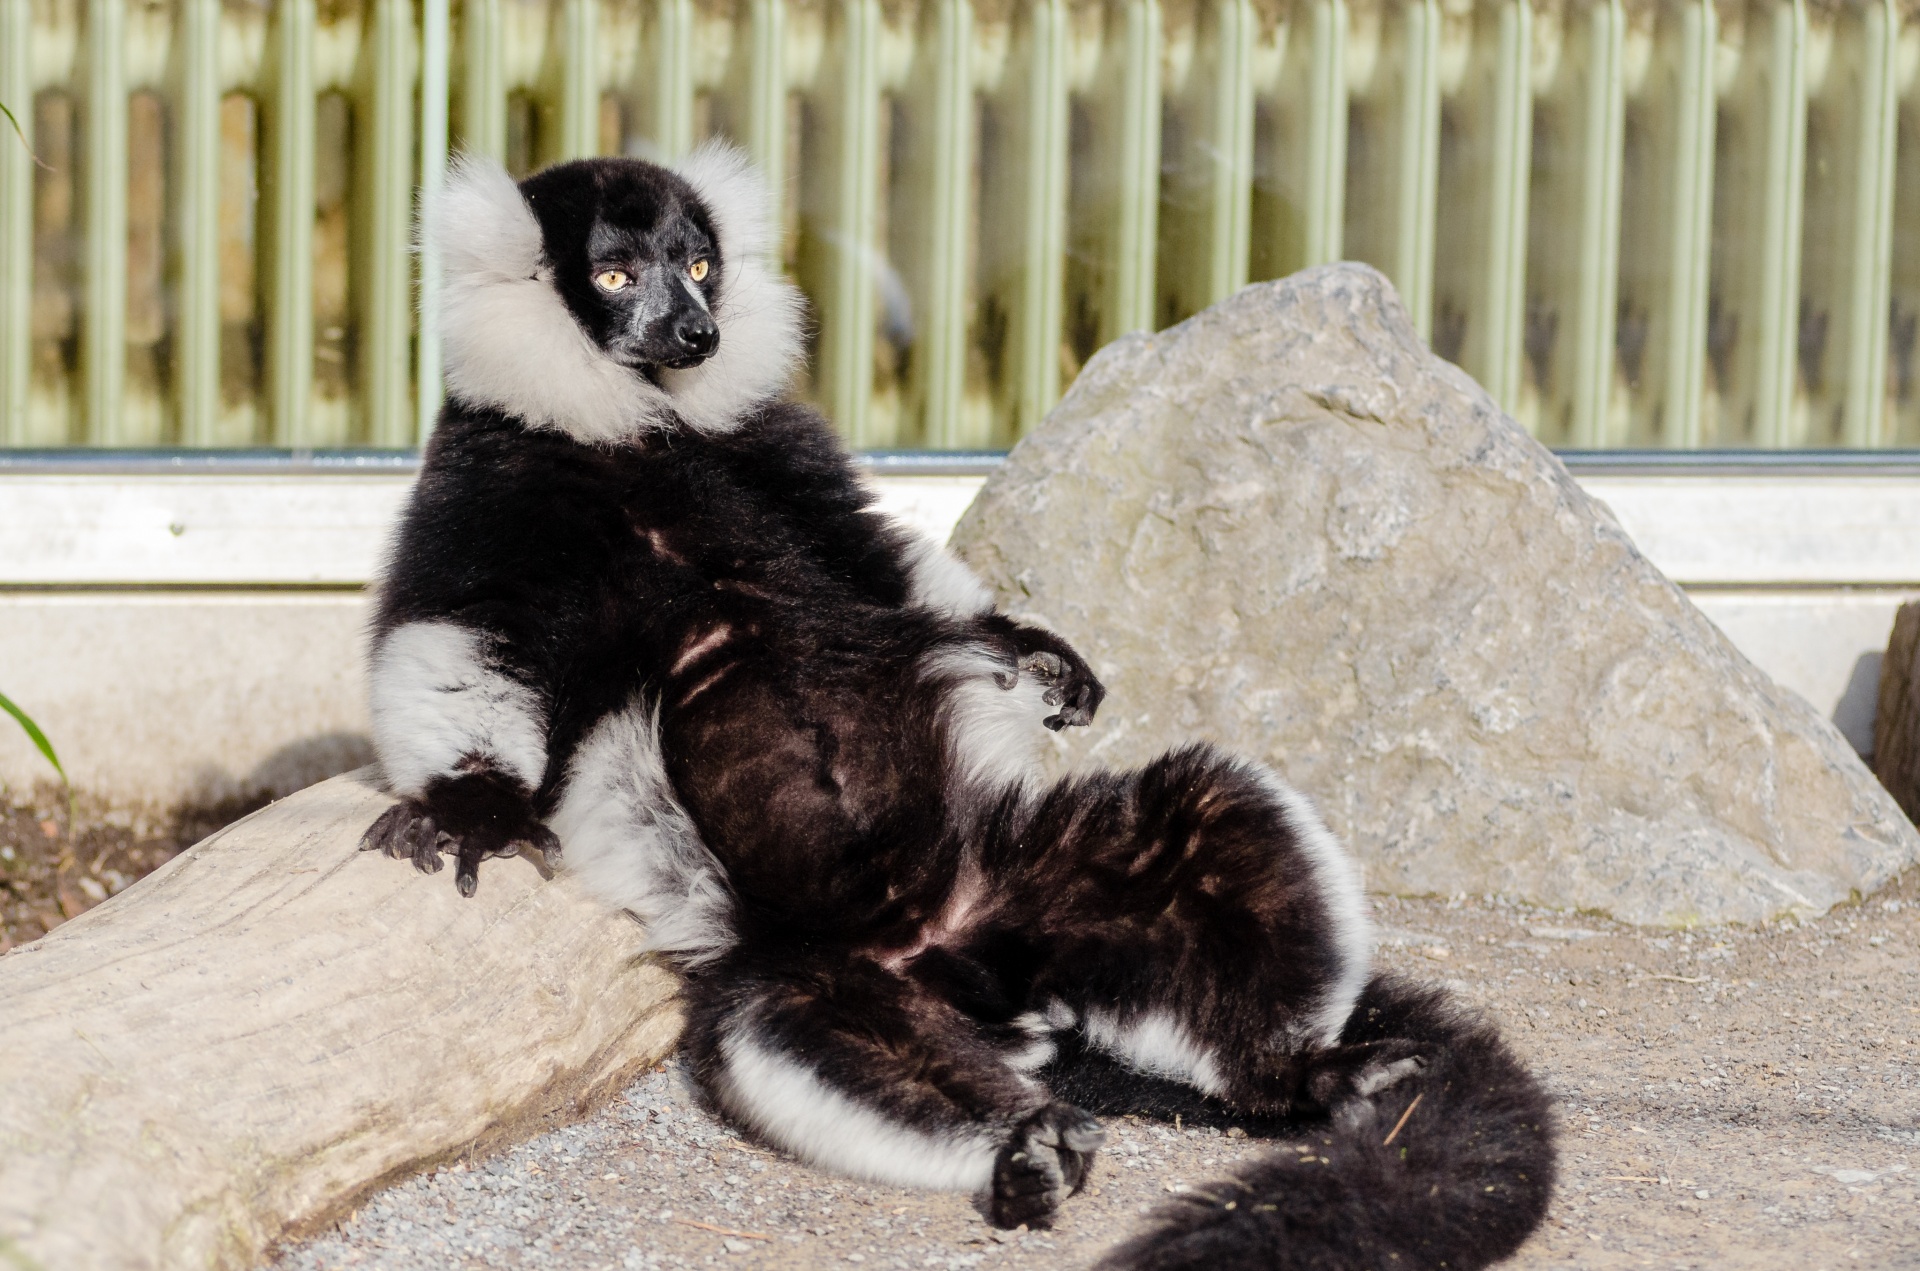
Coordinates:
x,y
1460,1182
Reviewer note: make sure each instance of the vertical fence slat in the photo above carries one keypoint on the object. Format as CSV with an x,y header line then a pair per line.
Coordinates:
x,y
1300,186
578,106
1863,342
103,341
16,222
385,203
1229,160
932,231
483,80
1903,317
196,335
1390,201
1848,228
1575,234
1667,230
1480,258
1597,290
669,90
1756,264
765,127
1326,133
289,263
1134,243
1207,220
1033,381
435,54
840,259
1774,363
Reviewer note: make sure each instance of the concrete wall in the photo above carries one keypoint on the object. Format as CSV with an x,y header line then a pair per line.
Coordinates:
x,y
193,639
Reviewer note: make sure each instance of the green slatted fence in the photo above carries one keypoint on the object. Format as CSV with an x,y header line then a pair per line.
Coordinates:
x,y
1672,223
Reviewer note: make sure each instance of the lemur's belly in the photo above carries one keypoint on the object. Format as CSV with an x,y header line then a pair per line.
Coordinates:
x,y
803,767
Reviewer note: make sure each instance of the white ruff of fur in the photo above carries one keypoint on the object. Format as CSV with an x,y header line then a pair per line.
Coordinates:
x,y
937,580
511,343
1155,1043
1340,892
437,705
632,844
793,1108
994,733
758,311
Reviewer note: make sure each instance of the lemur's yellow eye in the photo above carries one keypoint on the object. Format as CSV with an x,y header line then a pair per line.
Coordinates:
x,y
697,271
610,280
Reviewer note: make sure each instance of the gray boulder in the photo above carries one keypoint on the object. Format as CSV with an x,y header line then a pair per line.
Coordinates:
x,y
1287,527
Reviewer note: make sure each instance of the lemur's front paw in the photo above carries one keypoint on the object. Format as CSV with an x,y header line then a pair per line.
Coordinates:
x,y
1048,1159
1071,683
471,817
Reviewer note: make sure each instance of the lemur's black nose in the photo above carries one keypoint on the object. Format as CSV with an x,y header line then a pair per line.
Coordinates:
x,y
696,334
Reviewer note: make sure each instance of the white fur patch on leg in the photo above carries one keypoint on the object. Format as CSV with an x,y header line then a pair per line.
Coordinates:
x,y
437,703
791,1106
1156,1043
1338,881
626,836
937,580
993,715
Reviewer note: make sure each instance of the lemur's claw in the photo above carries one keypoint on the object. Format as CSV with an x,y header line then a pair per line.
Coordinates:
x,y
405,832
547,843
1070,686
391,827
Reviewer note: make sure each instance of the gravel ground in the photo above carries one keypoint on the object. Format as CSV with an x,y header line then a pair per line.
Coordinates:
x,y
1731,1098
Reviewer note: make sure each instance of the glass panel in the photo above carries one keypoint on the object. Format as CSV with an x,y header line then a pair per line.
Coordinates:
x,y
1675,225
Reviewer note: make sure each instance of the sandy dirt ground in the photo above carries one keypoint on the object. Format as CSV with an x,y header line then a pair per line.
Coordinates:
x,y
57,861
1729,1098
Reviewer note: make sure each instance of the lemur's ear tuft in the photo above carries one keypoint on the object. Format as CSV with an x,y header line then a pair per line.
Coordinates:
x,y
508,339
758,311
479,223
735,194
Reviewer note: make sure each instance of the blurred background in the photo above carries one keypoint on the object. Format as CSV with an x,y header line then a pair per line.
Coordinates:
x,y
1663,224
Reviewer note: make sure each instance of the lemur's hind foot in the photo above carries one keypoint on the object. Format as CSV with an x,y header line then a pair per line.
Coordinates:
x,y
1048,1159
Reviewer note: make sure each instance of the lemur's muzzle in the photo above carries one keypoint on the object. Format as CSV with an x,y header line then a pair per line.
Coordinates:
x,y
670,326
695,336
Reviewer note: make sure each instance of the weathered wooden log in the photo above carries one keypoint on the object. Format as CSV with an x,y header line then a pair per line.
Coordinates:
x,y
1896,721
243,1044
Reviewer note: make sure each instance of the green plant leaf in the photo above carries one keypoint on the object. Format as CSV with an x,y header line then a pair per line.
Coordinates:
x,y
33,731
20,132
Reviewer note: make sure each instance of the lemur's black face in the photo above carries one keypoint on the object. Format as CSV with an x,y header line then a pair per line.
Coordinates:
x,y
635,256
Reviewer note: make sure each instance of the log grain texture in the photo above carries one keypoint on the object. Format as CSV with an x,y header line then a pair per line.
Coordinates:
x,y
243,1044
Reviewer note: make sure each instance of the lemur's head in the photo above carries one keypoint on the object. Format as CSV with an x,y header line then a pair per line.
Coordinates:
x,y
605,297
635,255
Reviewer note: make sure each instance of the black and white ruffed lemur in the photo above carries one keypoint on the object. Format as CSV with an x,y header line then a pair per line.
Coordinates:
x,y
642,608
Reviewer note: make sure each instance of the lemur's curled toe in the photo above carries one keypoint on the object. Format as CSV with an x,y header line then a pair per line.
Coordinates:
x,y
406,832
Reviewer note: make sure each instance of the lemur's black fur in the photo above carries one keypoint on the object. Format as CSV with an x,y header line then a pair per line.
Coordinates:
x,y
641,608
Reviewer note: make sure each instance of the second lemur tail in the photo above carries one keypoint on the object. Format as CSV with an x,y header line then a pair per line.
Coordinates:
x,y
1451,1167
